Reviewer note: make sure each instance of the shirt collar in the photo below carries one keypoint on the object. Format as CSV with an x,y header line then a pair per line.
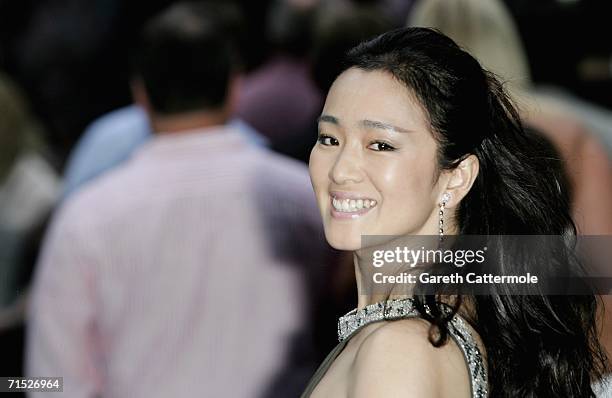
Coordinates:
x,y
193,142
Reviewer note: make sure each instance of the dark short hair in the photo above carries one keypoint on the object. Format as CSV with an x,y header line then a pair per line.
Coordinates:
x,y
338,28
185,57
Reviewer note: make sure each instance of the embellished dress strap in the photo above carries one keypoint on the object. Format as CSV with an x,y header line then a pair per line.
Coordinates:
x,y
352,322
464,339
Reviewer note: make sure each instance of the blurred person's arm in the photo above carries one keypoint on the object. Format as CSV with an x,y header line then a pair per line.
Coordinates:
x,y
593,189
61,334
587,165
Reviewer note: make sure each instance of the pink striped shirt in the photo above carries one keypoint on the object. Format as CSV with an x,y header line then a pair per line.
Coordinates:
x,y
179,274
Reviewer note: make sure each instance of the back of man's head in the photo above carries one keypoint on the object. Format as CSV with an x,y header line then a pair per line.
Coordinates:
x,y
185,57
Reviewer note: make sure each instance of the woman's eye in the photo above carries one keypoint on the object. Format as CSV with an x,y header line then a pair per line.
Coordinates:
x,y
381,146
327,140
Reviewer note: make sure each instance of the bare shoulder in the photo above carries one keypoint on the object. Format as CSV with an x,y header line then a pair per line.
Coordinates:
x,y
397,359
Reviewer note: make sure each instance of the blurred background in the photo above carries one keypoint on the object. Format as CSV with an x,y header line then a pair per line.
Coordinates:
x,y
66,63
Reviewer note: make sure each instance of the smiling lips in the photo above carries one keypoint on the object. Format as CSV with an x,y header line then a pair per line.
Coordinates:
x,y
342,205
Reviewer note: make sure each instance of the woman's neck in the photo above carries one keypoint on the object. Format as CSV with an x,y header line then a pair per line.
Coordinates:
x,y
398,260
370,293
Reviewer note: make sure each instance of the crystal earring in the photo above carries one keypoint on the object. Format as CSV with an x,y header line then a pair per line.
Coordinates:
x,y
445,198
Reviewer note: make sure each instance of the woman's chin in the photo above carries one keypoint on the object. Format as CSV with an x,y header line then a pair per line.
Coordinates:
x,y
344,243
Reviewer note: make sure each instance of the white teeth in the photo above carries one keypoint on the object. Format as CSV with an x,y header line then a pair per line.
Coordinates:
x,y
352,205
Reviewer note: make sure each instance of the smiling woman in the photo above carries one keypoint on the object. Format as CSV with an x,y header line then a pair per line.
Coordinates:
x,y
416,138
371,133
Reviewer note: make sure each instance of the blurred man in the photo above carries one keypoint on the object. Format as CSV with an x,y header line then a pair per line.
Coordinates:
x,y
180,272
279,98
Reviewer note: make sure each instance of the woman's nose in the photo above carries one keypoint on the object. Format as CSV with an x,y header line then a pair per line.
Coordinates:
x,y
347,167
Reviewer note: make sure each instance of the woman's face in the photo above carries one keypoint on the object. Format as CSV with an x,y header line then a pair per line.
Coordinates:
x,y
373,167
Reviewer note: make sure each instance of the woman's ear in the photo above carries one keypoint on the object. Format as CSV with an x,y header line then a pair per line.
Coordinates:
x,y
461,180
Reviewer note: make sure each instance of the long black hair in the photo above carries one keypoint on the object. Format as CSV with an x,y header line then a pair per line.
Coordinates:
x,y
536,345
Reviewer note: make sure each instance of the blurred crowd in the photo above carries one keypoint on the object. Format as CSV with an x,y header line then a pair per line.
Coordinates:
x,y
157,225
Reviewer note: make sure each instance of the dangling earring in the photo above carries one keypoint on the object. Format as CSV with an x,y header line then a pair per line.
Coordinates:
x,y
445,198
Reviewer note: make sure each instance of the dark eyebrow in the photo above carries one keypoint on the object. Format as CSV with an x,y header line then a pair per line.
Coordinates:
x,y
383,126
365,123
328,119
